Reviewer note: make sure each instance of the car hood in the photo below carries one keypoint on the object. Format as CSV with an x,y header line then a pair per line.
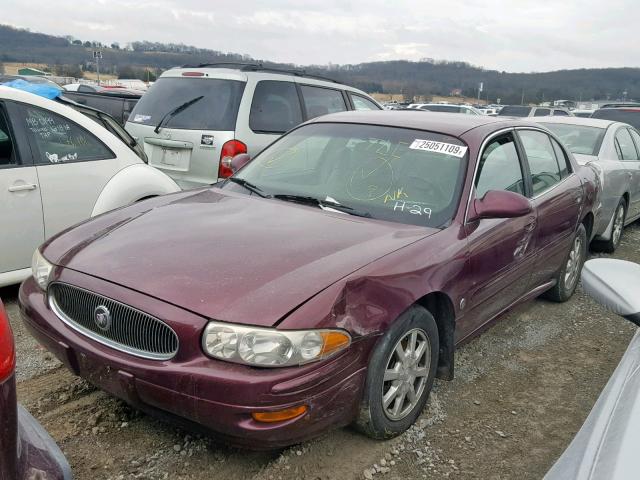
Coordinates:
x,y
606,447
227,256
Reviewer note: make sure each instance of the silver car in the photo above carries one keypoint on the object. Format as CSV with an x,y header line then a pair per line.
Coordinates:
x,y
606,447
193,120
614,148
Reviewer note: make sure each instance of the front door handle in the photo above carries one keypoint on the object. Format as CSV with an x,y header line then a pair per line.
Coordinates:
x,y
22,188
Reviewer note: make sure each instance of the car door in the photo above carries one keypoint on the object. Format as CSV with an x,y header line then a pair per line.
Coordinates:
x,y
20,206
72,164
501,252
557,195
632,166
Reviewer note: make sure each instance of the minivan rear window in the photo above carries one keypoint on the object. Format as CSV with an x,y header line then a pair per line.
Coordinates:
x,y
216,110
515,111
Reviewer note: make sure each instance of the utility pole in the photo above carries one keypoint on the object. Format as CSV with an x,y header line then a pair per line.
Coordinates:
x,y
522,99
480,87
97,55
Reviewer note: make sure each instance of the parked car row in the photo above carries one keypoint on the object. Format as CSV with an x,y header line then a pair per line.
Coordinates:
x,y
379,241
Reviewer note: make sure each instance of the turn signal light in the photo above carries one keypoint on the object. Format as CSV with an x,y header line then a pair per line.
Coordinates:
x,y
229,150
7,349
333,341
279,415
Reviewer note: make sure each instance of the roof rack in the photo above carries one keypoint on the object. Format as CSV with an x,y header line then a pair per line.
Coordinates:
x,y
259,67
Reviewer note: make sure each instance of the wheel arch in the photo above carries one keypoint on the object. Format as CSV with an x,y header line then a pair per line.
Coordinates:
x,y
587,221
441,308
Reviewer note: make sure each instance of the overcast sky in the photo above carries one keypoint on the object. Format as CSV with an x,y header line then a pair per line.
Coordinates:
x,y
511,35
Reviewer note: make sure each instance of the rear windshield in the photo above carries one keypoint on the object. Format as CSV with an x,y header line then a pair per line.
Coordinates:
x,y
632,117
578,138
515,111
216,110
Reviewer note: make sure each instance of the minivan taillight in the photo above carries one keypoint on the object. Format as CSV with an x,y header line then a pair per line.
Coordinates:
x,y
229,150
7,348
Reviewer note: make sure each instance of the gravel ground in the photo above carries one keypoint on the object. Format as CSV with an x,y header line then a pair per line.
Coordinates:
x,y
522,390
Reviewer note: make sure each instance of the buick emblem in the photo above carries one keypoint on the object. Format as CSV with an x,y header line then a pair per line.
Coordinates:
x,y
102,318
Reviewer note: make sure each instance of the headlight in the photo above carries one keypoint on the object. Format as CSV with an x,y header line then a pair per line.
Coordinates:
x,y
41,269
267,347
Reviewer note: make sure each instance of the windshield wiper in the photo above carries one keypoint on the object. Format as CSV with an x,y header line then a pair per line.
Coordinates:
x,y
175,111
325,205
249,186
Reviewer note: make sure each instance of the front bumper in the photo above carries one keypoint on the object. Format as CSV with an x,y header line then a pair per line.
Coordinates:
x,y
195,390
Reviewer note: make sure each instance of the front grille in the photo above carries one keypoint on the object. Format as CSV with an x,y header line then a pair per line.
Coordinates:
x,y
113,323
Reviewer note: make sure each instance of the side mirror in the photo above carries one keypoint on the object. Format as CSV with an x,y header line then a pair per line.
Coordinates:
x,y
615,284
500,204
238,161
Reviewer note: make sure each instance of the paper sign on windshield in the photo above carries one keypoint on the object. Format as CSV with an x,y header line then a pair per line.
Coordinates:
x,y
439,147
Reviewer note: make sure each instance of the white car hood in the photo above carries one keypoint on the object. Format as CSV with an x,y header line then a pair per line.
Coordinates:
x,y
606,447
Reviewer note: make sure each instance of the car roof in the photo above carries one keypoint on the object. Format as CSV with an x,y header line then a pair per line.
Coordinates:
x,y
587,122
447,123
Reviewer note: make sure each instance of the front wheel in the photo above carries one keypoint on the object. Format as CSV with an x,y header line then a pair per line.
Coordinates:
x,y
568,276
619,217
400,375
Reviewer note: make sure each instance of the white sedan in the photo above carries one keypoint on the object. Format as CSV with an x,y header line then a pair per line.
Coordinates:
x,y
57,168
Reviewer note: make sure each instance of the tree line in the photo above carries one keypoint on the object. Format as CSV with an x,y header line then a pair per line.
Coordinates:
x,y
70,56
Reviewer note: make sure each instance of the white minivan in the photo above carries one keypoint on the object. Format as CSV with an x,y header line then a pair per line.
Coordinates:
x,y
192,121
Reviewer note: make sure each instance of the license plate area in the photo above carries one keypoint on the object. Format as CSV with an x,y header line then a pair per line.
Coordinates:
x,y
175,159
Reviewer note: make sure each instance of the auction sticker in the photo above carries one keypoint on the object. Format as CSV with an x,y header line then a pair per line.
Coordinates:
x,y
141,118
439,147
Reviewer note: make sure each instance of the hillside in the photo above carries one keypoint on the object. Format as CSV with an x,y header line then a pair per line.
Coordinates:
x,y
69,56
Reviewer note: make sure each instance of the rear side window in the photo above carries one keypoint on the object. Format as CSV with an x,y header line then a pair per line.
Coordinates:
x,y
320,101
500,168
560,113
59,140
515,111
216,110
362,103
543,164
542,112
636,139
626,145
275,107
7,150
563,161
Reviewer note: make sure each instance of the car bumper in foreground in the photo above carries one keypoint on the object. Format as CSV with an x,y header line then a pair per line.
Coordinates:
x,y
39,456
196,391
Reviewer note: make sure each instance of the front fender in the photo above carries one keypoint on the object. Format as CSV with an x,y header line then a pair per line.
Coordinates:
x,y
131,184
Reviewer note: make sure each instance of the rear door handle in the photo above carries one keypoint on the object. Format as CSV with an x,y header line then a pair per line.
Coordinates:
x,y
22,188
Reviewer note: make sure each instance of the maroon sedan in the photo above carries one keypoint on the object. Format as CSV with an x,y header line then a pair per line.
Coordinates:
x,y
328,282
26,450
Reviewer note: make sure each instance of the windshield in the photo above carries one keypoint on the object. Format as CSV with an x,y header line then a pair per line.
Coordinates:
x,y
442,108
217,110
515,111
632,117
388,173
578,138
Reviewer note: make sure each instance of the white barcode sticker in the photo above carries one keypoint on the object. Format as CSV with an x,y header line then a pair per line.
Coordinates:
x,y
439,147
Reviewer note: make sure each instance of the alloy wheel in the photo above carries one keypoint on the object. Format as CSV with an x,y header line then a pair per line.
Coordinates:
x,y
405,375
573,264
618,225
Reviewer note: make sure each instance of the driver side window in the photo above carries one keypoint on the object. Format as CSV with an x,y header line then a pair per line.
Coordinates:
x,y
500,168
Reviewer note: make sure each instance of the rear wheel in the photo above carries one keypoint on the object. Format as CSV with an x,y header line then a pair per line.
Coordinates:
x,y
619,217
400,375
568,276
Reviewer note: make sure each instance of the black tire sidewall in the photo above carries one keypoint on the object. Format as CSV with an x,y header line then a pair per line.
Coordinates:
x,y
372,417
622,204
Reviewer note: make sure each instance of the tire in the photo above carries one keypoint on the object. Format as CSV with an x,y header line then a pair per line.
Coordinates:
x,y
619,217
569,275
374,419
